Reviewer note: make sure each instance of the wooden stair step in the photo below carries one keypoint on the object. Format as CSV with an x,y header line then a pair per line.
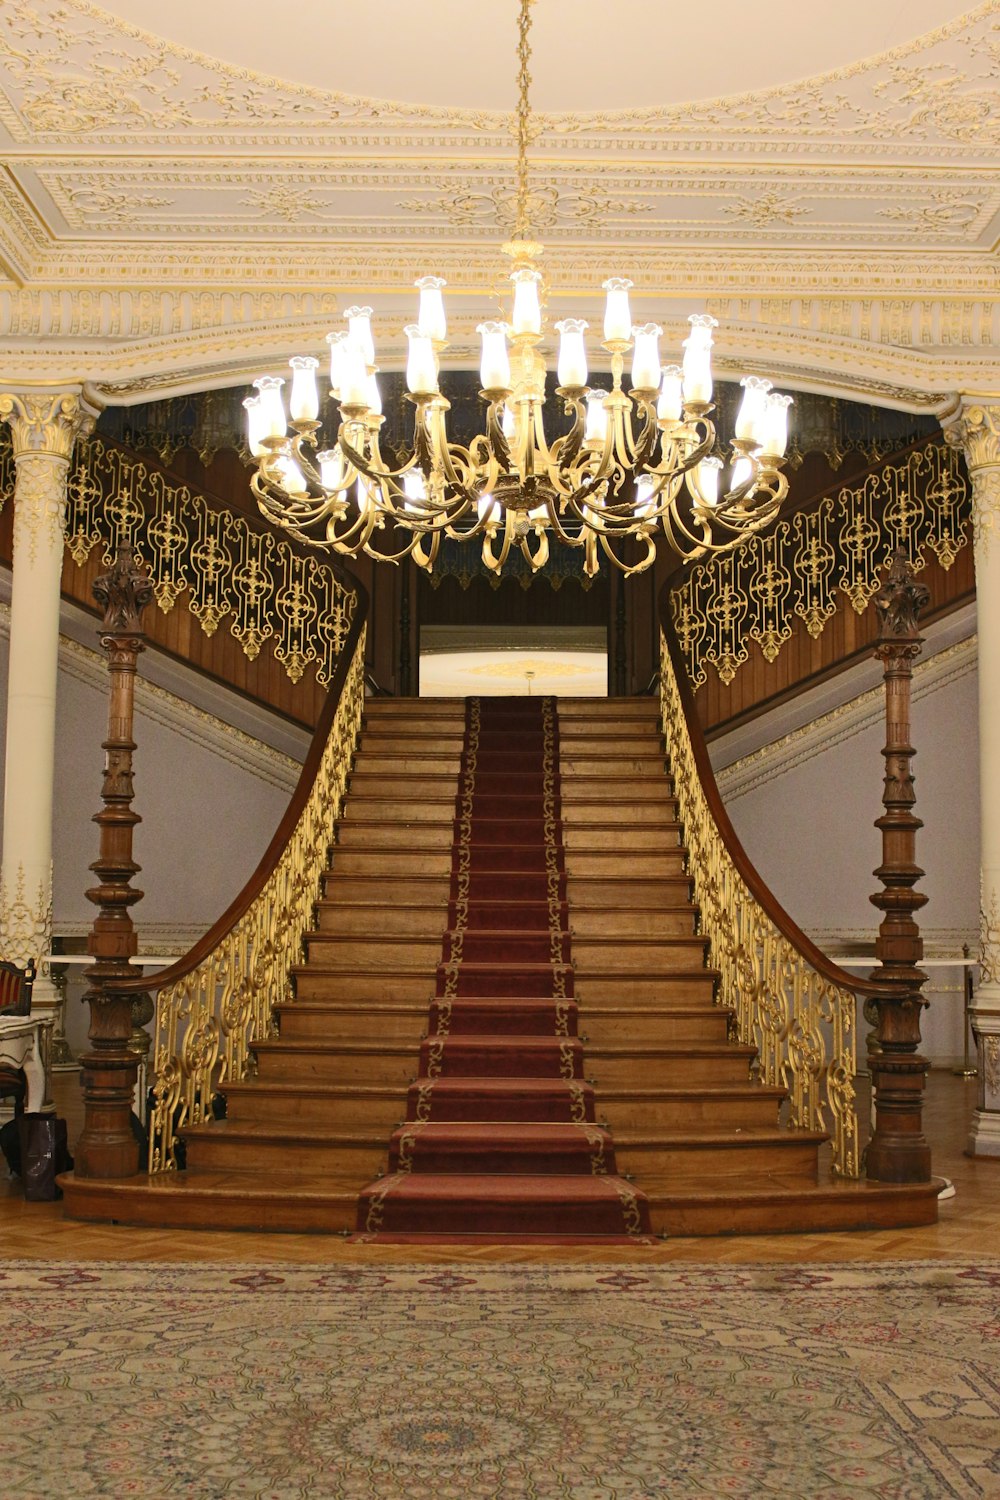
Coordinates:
x,y
218,1200
387,950
792,1207
676,1065
405,838
602,1025
626,892
591,837
336,1062
669,919
599,986
357,918
352,1155
632,955
361,859
317,981
663,1160
676,1108
354,1021
647,863
355,1105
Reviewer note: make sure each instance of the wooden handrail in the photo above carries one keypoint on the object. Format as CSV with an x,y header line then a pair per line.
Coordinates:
x,y
748,872
272,854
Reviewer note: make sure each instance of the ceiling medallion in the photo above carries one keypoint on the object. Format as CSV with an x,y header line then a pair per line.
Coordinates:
x,y
628,463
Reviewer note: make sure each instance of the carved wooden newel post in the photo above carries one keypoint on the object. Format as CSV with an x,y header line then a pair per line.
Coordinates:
x,y
898,1151
107,1147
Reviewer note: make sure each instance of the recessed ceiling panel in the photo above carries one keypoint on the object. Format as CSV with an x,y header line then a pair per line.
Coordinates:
x,y
588,55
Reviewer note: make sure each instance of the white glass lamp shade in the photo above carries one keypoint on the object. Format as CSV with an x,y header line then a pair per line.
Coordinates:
x,y
293,481
421,373
644,502
485,505
431,318
273,421
772,432
742,473
494,364
706,479
617,314
359,331
698,359
331,468
361,496
646,356
415,490
572,366
596,428
508,423
353,376
336,342
527,314
670,406
752,407
303,399
373,397
255,425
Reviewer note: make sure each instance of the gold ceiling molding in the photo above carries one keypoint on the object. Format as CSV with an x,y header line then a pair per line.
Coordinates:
x,y
144,84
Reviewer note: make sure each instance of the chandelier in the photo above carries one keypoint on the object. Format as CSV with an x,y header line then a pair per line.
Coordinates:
x,y
627,465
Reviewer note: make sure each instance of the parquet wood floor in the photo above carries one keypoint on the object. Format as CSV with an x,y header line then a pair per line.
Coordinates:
x,y
969,1225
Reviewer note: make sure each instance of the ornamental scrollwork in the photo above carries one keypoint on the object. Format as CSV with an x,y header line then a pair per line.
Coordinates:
x,y
804,568
801,1024
25,919
227,571
206,1023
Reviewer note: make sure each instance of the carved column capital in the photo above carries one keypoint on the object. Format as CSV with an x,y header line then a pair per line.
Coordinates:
x,y
43,424
974,427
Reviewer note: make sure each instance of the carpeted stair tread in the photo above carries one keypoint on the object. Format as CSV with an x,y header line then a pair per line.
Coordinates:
x,y
538,1100
498,1204
511,1056
513,1015
490,1148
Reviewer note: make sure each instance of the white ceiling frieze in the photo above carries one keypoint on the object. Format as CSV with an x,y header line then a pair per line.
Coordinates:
x,y
169,215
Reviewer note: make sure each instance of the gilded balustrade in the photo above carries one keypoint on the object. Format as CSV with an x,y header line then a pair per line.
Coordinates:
x,y
208,1020
228,569
801,1022
804,567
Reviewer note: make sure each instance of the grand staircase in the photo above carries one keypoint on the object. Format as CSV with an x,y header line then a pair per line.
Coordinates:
x,y
505,1023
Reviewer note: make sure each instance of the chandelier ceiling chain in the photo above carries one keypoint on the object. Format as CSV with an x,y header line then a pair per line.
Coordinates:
x,y
522,225
630,465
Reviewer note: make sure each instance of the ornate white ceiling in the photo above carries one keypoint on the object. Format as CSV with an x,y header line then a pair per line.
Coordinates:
x,y
169,216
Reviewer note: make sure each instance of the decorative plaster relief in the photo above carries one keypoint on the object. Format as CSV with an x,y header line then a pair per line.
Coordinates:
x,y
76,72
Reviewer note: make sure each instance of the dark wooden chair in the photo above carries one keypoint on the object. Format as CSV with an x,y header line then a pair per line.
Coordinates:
x,y
24,1047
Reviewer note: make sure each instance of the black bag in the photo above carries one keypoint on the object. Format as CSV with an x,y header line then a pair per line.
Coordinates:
x,y
44,1154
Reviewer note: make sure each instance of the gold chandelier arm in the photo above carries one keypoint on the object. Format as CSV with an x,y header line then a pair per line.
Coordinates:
x,y
645,535
540,556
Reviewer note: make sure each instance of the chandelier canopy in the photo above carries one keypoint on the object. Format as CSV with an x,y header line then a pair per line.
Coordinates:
x,y
627,464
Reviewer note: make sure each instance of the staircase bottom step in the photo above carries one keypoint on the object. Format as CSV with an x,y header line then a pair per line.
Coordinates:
x,y
792,1208
216,1200
407,1203
321,1205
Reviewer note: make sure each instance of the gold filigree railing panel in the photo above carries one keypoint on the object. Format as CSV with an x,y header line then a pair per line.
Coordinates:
x,y
802,1024
803,568
207,1022
227,569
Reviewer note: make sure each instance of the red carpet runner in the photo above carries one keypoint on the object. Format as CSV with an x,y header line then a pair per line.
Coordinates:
x,y
500,1135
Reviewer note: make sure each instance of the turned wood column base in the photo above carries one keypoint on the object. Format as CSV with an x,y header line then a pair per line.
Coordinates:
x,y
107,1147
898,1150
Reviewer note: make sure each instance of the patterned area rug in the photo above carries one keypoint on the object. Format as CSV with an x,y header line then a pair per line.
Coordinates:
x,y
431,1383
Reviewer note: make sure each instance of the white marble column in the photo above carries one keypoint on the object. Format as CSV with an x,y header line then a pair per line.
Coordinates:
x,y
976,429
44,427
